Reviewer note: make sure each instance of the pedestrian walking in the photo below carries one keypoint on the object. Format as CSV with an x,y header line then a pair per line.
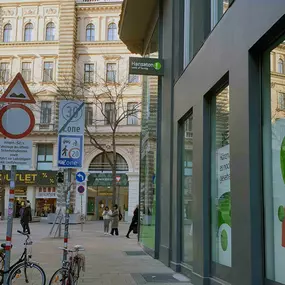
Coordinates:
x,y
134,224
21,213
115,221
107,218
27,218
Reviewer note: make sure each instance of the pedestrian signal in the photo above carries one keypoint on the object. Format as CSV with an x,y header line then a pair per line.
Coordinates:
x,y
60,177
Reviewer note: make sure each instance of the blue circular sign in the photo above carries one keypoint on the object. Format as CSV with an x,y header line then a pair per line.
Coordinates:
x,y
80,177
81,189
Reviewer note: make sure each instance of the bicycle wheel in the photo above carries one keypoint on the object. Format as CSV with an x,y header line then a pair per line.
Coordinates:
x,y
2,257
61,277
27,273
76,272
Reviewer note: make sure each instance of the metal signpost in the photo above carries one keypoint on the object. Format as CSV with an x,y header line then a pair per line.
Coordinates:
x,y
16,122
80,178
70,148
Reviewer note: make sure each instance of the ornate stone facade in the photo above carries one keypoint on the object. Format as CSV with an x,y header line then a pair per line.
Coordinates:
x,y
51,37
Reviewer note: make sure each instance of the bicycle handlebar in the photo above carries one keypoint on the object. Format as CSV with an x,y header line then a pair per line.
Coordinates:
x,y
22,233
72,250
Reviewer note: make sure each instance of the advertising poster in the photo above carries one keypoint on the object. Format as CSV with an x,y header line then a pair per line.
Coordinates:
x,y
278,207
224,255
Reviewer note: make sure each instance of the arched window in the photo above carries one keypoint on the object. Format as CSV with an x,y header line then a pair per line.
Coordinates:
x,y
280,66
112,32
100,163
28,37
90,33
50,32
7,33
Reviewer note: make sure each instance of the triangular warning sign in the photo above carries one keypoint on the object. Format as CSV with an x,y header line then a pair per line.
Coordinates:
x,y
18,92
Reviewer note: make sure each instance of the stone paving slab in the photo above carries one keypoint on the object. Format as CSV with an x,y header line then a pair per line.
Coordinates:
x,y
106,258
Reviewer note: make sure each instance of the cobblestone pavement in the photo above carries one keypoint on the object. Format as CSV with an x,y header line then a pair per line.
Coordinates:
x,y
107,261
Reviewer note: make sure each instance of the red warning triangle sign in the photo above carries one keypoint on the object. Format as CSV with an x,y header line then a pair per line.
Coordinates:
x,y
18,92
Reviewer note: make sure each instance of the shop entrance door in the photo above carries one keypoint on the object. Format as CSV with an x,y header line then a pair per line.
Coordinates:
x,y
101,203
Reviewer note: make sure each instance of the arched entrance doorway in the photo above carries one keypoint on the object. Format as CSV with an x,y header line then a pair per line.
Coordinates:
x,y
100,191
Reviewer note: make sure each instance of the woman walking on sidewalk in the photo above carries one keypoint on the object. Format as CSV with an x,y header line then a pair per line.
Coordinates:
x,y
115,221
107,218
134,224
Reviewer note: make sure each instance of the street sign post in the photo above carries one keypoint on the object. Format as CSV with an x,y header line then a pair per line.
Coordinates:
x,y
16,122
70,147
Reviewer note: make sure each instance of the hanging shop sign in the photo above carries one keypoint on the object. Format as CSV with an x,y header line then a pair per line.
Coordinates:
x,y
105,180
146,66
30,178
46,193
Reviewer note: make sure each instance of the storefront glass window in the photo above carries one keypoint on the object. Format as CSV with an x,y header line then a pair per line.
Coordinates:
x,y
148,154
274,166
187,196
220,181
218,8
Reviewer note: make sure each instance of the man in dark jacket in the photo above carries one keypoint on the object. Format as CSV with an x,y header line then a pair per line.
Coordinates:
x,y
27,218
134,222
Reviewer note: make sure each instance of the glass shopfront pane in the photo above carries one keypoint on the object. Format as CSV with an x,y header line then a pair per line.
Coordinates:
x,y
148,153
220,180
187,196
274,166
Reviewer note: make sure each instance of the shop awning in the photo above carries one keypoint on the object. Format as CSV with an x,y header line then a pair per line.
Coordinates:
x,y
136,23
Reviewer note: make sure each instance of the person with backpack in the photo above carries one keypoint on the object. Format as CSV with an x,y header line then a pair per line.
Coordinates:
x,y
134,224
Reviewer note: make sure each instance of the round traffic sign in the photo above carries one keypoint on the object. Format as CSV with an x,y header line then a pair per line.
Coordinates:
x,y
70,111
16,121
80,176
81,189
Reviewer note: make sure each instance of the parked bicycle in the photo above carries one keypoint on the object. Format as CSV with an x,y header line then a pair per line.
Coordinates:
x,y
23,271
69,273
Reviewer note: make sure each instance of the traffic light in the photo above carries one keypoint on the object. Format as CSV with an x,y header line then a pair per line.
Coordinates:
x,y
60,177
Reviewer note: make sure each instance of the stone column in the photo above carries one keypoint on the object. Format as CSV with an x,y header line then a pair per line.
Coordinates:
x,y
133,193
34,156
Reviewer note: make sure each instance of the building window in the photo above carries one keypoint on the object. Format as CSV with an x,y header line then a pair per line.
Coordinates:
x,y
187,194
89,114
28,37
273,176
111,72
132,113
45,157
133,78
27,71
220,186
48,72
112,32
46,109
89,73
90,33
7,34
281,101
4,72
280,66
50,32
109,113
218,8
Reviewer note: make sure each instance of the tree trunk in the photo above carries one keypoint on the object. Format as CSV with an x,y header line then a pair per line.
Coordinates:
x,y
114,169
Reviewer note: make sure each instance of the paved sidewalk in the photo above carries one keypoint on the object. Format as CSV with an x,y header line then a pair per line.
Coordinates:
x,y
107,261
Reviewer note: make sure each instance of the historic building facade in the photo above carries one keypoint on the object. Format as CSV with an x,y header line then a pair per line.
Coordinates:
x,y
55,44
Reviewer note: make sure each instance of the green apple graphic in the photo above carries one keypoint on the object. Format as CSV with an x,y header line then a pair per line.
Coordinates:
x,y
281,210
224,217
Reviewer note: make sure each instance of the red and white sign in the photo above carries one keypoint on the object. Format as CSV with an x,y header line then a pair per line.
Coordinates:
x,y
118,178
16,121
18,92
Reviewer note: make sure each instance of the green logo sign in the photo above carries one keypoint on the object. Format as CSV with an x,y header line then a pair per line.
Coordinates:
x,y
157,65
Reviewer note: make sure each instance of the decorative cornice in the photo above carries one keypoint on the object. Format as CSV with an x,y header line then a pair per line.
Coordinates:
x,y
112,57
97,7
28,44
101,43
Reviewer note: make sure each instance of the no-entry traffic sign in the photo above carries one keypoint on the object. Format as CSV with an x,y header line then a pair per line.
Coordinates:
x,y
81,189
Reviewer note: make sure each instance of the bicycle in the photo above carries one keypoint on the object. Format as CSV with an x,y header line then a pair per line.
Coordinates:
x,y
18,272
69,273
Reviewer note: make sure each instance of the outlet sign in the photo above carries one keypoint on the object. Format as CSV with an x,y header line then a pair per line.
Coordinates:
x,y
146,66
